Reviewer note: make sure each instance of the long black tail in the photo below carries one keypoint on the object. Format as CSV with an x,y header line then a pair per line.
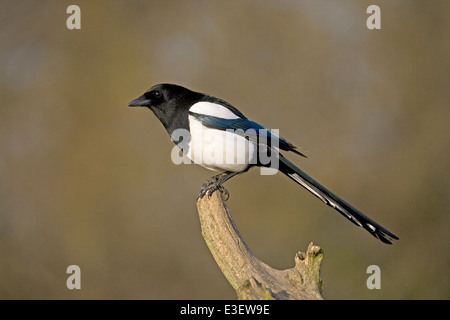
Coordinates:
x,y
354,215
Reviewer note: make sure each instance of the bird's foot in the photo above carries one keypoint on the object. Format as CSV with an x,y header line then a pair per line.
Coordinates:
x,y
211,185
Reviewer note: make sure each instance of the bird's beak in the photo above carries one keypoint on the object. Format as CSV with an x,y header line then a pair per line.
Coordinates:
x,y
140,102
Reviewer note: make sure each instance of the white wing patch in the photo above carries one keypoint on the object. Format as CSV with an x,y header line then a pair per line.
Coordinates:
x,y
213,109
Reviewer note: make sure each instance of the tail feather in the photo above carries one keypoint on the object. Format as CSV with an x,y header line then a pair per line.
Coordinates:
x,y
329,198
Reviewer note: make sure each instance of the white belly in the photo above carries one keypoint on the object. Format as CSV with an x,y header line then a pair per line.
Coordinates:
x,y
219,150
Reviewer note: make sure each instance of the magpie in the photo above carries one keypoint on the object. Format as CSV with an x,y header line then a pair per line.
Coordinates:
x,y
208,130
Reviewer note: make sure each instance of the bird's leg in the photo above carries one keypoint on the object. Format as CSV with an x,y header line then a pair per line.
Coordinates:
x,y
215,183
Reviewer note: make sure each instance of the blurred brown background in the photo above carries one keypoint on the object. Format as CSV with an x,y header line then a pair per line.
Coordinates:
x,y
87,181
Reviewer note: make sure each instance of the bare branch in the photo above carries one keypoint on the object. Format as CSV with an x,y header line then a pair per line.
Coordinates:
x,y
250,277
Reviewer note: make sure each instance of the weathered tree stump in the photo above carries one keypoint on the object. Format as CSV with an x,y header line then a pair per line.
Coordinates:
x,y
250,277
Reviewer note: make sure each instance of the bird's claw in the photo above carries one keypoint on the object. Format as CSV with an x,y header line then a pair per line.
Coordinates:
x,y
211,185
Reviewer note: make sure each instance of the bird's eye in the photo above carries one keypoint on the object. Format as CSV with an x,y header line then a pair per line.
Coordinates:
x,y
155,95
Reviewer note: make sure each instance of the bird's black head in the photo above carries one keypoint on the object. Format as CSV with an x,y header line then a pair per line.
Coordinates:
x,y
159,95
167,101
